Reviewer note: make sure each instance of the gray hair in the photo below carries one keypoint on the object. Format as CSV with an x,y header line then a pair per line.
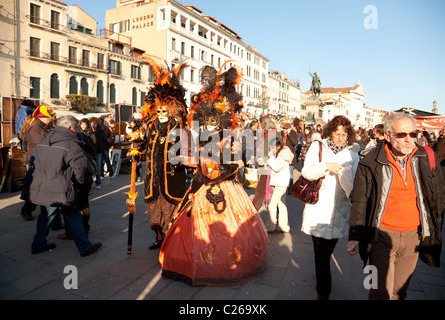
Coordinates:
x,y
267,123
67,122
393,117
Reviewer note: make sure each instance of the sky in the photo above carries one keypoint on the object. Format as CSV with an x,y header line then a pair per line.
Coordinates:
x,y
395,48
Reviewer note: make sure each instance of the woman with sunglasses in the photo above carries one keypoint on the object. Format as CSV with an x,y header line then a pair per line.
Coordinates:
x,y
398,204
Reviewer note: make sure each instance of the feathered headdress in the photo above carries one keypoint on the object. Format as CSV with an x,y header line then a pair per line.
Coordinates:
x,y
218,97
166,91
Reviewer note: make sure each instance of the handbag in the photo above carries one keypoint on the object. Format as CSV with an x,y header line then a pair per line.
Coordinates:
x,y
250,177
306,190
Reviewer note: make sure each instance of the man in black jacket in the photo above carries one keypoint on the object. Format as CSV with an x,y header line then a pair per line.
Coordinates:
x,y
57,166
398,205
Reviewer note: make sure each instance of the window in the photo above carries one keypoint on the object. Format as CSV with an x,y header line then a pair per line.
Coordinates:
x,y
34,47
192,75
55,20
100,91
112,93
183,48
100,61
135,72
85,58
34,90
35,13
55,86
192,52
84,87
143,94
173,44
72,55
202,32
119,27
134,97
55,51
115,67
73,85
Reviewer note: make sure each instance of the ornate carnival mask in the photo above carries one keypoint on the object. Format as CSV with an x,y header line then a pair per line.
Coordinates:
x,y
163,113
211,123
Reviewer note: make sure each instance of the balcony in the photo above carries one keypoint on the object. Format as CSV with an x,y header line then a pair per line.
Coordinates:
x,y
51,26
67,61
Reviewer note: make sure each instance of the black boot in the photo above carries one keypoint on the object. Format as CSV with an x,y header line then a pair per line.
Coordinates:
x,y
158,241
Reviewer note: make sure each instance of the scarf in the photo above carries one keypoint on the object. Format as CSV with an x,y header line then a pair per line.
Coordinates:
x,y
336,149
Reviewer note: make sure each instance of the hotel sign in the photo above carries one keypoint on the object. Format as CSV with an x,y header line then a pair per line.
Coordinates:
x,y
141,22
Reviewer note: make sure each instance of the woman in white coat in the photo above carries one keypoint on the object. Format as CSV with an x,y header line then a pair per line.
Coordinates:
x,y
328,219
280,158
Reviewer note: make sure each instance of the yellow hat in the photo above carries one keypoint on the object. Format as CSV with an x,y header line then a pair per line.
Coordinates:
x,y
43,111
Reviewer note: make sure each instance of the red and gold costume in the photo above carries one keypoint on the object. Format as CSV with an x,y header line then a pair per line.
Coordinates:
x,y
217,238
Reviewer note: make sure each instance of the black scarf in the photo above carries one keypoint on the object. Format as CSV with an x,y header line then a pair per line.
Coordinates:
x,y
336,149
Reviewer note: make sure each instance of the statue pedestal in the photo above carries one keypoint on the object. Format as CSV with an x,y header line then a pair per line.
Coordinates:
x,y
314,106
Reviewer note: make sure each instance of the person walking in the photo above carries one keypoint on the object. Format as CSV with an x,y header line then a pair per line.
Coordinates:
x,y
327,220
280,160
290,139
57,165
398,205
41,116
99,141
306,142
106,151
267,132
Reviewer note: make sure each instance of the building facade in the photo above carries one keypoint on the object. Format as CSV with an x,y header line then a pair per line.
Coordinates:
x,y
50,52
172,32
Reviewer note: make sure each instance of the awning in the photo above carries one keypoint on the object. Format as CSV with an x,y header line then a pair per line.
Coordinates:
x,y
81,74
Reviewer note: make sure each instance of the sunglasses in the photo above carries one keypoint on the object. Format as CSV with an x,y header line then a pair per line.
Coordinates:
x,y
401,135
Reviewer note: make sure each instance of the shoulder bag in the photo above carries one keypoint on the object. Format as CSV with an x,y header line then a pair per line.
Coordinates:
x,y
305,190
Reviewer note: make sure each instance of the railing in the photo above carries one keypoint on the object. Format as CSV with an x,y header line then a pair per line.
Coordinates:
x,y
51,57
49,25
108,34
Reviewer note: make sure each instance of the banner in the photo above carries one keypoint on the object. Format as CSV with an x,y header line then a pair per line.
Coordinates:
x,y
430,123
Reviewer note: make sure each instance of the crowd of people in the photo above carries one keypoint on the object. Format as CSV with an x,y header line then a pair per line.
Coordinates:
x,y
383,189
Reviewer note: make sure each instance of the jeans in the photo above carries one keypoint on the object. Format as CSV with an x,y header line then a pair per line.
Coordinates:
x,y
106,158
99,168
73,223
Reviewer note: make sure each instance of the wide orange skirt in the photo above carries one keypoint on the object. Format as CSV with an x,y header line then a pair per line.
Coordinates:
x,y
204,247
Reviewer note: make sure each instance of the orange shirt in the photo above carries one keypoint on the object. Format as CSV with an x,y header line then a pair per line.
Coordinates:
x,y
401,212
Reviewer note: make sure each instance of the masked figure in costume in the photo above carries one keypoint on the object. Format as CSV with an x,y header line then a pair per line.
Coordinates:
x,y
165,113
217,237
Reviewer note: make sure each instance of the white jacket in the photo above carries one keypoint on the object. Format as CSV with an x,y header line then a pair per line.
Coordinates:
x,y
280,174
329,217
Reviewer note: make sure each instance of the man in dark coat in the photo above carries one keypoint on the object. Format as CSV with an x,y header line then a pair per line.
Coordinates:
x,y
57,166
398,204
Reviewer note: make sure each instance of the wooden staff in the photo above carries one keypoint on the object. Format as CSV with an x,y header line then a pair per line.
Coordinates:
x,y
131,201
